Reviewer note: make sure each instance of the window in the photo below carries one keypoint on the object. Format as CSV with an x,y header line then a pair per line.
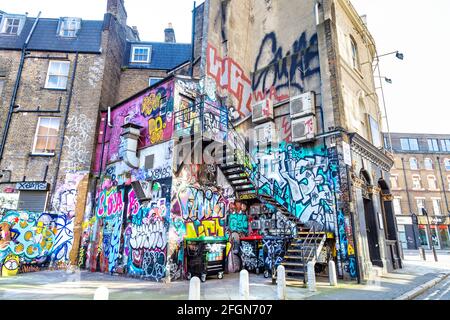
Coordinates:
x,y
445,145
409,144
375,132
437,206
447,164
57,75
355,55
141,54
432,183
433,145
428,164
2,83
397,206
416,182
413,164
12,25
152,81
394,182
46,135
420,205
68,27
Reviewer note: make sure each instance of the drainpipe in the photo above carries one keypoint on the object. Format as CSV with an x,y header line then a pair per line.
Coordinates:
x,y
66,119
16,87
193,40
131,134
443,183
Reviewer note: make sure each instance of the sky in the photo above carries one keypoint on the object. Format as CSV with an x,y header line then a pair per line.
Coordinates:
x,y
417,101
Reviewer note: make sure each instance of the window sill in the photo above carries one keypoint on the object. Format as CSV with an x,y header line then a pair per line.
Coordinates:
x,y
53,89
45,155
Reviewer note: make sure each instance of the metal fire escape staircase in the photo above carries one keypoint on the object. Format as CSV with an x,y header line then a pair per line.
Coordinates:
x,y
238,166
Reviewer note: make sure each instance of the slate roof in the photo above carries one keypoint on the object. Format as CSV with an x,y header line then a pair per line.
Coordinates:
x,y
45,37
165,56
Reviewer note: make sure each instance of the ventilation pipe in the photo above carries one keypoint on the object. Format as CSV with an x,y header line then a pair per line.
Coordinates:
x,y
130,135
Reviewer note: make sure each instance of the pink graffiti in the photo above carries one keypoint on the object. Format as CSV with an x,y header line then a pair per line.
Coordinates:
x,y
133,203
229,76
110,203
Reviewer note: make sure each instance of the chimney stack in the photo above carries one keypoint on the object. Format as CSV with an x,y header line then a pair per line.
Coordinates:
x,y
117,9
169,34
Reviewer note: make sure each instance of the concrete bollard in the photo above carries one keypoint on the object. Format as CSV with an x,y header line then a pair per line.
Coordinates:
x,y
281,283
194,289
244,285
102,293
311,277
332,273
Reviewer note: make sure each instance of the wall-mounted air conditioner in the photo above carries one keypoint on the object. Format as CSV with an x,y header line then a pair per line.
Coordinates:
x,y
265,133
262,111
303,105
304,129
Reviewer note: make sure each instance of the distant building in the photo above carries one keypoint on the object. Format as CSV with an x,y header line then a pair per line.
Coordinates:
x,y
420,179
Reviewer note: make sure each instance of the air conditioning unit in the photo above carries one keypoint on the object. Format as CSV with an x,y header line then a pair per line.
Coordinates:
x,y
265,133
262,111
303,105
304,129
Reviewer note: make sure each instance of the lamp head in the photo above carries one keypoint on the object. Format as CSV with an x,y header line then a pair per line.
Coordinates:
x,y
388,80
399,55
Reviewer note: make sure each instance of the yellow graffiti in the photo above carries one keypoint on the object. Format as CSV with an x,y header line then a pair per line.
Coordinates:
x,y
151,103
207,228
10,266
156,129
351,251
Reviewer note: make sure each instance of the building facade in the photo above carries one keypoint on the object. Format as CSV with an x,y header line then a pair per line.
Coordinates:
x,y
420,179
290,110
55,77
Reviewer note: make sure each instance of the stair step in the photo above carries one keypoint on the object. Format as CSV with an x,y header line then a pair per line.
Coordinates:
x,y
245,183
293,258
237,178
296,271
292,264
246,187
228,167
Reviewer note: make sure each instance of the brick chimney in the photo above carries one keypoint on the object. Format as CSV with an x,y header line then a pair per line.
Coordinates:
x,y
169,34
117,9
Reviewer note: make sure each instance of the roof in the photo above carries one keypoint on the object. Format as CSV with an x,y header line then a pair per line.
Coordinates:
x,y
164,56
45,37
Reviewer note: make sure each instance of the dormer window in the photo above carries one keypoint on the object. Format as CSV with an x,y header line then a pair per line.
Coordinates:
x,y
141,54
12,25
68,27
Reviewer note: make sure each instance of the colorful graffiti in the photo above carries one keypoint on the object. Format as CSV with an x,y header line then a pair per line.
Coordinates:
x,y
303,181
251,259
346,248
199,204
238,222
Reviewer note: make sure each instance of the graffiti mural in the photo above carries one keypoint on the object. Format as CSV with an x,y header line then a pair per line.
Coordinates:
x,y
346,246
278,75
303,181
251,260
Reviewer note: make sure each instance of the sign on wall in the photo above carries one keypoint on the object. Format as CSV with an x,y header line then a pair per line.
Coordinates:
x,y
32,186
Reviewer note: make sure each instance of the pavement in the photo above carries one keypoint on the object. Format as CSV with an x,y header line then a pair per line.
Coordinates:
x,y
81,285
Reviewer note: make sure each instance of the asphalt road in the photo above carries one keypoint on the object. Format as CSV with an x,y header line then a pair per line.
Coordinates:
x,y
438,292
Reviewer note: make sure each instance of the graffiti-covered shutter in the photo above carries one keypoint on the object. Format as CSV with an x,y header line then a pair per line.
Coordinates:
x,y
32,201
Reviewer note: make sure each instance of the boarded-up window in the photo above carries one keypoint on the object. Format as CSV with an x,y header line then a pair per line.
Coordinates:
x,y
32,201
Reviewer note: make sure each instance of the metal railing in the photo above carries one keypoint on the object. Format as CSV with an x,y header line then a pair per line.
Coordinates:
x,y
311,242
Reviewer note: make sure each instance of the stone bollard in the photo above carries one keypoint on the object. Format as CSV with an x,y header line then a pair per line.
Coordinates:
x,y
102,293
332,273
194,289
281,283
311,277
244,285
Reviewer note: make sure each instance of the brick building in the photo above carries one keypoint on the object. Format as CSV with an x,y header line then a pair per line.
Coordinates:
x,y
291,111
420,179
55,77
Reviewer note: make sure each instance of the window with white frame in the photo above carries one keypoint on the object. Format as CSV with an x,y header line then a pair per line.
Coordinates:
x,y
437,206
355,54
428,163
432,185
420,204
12,25
413,163
394,181
46,136
447,164
416,182
409,144
141,54
445,145
397,206
57,75
152,80
433,145
68,27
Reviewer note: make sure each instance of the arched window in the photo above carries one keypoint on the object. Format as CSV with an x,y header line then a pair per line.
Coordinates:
x,y
432,185
355,54
416,182
428,164
414,164
447,164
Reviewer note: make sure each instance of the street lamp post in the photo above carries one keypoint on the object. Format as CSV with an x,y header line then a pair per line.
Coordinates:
x,y
424,211
415,223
